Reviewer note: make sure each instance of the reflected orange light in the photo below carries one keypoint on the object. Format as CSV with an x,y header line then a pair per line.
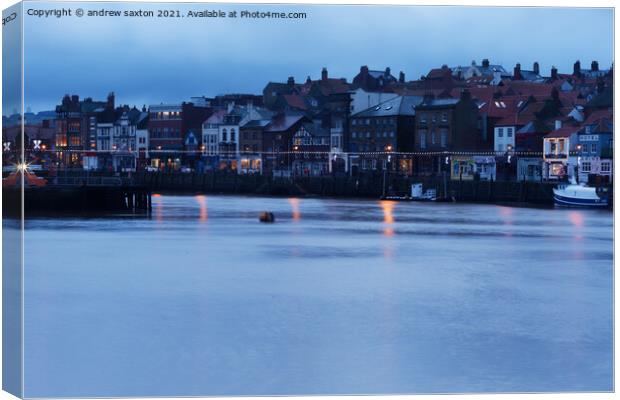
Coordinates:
x,y
576,218
388,217
294,202
158,205
202,203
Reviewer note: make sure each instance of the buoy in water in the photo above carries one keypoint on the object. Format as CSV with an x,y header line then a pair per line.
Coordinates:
x,y
266,217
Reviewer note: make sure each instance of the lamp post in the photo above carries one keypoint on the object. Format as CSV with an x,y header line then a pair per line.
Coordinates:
x,y
388,150
578,147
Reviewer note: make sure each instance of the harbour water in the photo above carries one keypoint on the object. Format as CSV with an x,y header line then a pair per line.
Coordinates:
x,y
335,297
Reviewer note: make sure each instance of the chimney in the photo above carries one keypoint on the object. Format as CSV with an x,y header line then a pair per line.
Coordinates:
x,y
75,98
536,68
401,77
465,95
485,63
577,68
110,103
558,124
308,80
517,73
594,66
387,71
291,81
554,73
324,74
364,70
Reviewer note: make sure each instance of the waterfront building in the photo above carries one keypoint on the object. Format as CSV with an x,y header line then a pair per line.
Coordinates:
x,y
310,146
142,140
559,152
251,146
76,127
379,133
445,125
116,144
165,126
595,148
278,143
473,167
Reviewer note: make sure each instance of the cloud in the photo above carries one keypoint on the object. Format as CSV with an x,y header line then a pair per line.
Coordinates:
x,y
170,59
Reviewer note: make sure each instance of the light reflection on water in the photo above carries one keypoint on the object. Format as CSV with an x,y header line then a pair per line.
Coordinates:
x,y
335,297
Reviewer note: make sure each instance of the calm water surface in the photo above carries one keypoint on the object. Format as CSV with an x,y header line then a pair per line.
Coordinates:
x,y
336,297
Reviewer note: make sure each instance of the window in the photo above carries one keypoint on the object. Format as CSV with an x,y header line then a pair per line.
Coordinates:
x,y
593,147
354,134
586,166
509,132
606,166
444,117
224,135
444,138
500,132
434,118
422,139
423,118
433,137
561,145
368,134
232,135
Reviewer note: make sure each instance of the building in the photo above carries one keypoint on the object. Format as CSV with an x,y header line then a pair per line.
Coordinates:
x,y
165,125
142,140
379,133
445,126
251,146
311,144
559,152
76,127
116,140
595,148
373,80
278,143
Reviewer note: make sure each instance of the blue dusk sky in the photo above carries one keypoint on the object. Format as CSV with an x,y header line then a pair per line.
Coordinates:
x,y
153,60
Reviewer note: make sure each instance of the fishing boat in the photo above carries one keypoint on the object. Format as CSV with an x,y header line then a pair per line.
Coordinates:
x,y
578,195
417,194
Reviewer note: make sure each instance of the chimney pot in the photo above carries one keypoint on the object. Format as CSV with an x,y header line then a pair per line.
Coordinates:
x,y
485,63
554,73
594,66
401,77
536,68
324,74
577,68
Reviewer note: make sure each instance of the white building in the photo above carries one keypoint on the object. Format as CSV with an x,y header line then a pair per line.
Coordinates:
x,y
504,136
560,152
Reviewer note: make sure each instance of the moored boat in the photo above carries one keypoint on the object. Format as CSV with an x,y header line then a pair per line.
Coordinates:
x,y
578,195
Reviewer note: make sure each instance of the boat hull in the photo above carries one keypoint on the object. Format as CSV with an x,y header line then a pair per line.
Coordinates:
x,y
566,201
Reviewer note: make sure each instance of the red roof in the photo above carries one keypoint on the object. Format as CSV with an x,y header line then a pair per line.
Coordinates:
x,y
295,101
597,115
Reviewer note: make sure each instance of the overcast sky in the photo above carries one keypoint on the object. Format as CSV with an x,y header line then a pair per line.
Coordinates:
x,y
153,60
